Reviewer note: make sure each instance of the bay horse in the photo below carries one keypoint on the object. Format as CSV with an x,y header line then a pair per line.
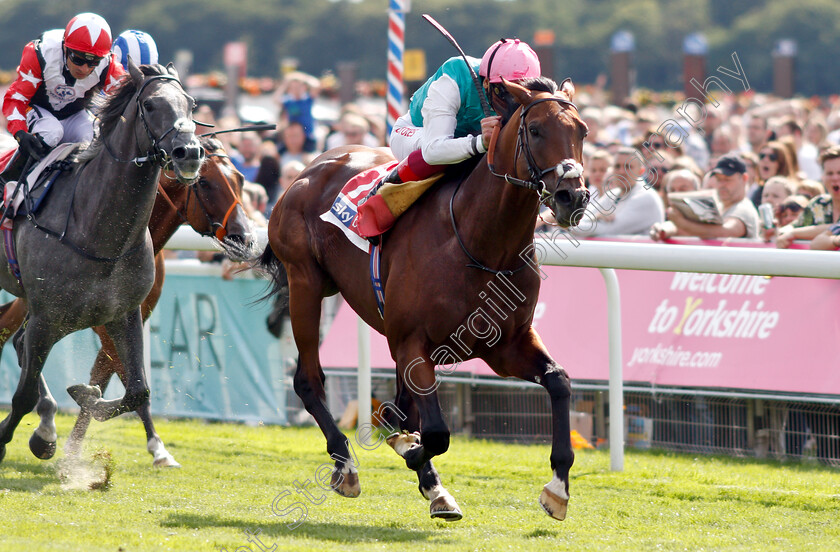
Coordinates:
x,y
212,206
86,258
463,237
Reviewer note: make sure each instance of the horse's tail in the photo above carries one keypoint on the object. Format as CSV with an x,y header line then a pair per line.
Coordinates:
x,y
270,265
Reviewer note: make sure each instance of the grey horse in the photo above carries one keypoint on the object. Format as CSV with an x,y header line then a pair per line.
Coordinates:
x,y
86,258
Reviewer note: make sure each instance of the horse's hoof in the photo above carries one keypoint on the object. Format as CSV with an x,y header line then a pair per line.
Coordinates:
x,y
444,507
346,484
166,462
553,505
41,448
84,395
402,442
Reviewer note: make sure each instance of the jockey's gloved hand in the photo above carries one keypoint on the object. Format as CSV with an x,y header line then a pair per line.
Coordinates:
x,y
31,145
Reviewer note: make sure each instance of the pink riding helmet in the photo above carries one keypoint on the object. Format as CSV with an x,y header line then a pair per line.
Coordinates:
x,y
509,58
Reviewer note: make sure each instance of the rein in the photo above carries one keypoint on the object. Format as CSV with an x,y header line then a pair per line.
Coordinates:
x,y
156,153
535,182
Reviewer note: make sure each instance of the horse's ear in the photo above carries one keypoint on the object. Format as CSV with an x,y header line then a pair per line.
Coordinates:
x,y
568,88
172,71
135,72
523,95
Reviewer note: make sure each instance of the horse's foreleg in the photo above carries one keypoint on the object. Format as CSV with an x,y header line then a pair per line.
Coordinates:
x,y
305,312
127,335
530,361
442,505
42,442
33,345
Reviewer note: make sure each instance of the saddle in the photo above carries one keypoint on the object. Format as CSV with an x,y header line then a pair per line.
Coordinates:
x,y
24,193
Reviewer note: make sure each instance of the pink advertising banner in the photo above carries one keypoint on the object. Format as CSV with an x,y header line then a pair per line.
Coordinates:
x,y
678,329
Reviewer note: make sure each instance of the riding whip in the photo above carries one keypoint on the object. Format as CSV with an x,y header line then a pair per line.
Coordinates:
x,y
485,107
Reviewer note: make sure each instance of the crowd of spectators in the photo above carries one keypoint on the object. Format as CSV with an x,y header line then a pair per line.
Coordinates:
x,y
750,150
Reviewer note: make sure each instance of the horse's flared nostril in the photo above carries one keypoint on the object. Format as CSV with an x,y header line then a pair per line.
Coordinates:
x,y
182,153
563,197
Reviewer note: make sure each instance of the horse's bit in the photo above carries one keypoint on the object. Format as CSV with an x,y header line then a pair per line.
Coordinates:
x,y
218,229
536,174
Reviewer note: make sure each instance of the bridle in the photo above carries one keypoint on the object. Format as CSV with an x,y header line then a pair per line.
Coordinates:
x,y
535,182
217,229
523,146
155,153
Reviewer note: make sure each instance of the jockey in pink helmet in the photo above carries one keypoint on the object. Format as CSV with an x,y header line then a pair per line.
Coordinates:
x,y
445,123
58,73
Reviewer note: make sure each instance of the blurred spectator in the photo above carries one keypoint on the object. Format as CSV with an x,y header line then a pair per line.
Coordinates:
x,y
828,240
597,168
353,128
773,159
268,176
680,180
246,159
775,191
810,188
722,141
289,174
822,211
292,145
790,209
255,202
757,133
740,218
630,206
296,96
805,154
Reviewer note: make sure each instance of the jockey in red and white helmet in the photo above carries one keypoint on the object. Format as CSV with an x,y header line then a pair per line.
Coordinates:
x,y
57,75
445,123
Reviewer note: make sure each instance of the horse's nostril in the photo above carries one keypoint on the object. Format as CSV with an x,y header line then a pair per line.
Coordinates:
x,y
563,197
238,239
179,152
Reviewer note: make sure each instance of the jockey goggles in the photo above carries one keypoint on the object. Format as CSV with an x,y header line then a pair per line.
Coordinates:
x,y
83,58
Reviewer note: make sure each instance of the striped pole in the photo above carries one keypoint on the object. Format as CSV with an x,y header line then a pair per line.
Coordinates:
x,y
396,44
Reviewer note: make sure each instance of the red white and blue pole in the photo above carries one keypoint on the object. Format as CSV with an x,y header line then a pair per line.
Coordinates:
x,y
396,46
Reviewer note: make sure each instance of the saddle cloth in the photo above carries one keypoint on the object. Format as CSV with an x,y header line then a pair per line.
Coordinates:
x,y
360,215
36,186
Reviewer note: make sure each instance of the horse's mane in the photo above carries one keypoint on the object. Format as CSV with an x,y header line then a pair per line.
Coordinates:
x,y
110,107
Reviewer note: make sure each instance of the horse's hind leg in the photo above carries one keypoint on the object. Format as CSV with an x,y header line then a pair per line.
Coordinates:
x,y
33,346
443,504
305,312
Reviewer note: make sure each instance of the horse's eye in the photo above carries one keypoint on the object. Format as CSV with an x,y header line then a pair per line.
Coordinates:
x,y
203,182
148,105
535,132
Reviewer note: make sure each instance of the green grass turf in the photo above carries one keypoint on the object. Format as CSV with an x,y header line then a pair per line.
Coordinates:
x,y
232,473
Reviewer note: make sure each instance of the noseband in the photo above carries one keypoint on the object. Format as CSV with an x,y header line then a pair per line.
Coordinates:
x,y
523,146
155,153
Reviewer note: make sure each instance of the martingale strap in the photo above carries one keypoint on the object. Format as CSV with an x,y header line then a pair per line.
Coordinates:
x,y
376,277
11,256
